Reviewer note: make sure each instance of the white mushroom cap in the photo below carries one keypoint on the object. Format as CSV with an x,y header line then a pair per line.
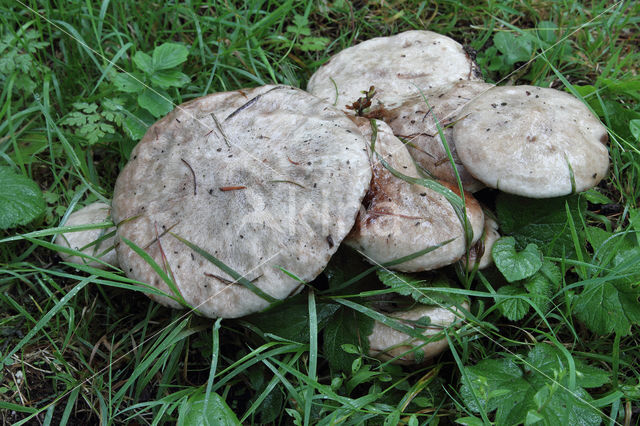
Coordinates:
x,y
480,253
261,179
414,121
531,141
84,240
398,218
387,343
398,66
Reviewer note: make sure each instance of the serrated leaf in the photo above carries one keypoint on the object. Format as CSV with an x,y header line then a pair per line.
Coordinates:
x,y
546,359
156,101
609,302
75,118
543,284
543,389
128,82
408,285
513,308
169,78
143,62
199,410
169,55
606,306
300,26
85,107
309,44
515,265
346,327
543,222
291,320
21,199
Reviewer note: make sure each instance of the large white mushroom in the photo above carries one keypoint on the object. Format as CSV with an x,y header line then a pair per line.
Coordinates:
x,y
399,218
92,242
398,66
268,181
531,141
388,343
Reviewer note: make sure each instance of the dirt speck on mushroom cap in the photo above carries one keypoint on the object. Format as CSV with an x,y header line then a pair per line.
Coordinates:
x,y
398,66
261,179
531,141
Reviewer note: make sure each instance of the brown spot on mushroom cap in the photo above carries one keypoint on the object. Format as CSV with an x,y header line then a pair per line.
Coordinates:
x,y
415,122
94,213
536,144
398,66
398,218
270,213
387,343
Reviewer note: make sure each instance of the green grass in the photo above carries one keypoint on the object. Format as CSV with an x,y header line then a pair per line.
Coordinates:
x,y
86,346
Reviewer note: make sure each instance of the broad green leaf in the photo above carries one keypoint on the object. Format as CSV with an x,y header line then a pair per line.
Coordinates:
x,y
199,410
21,199
593,196
539,387
609,301
144,62
545,359
514,309
634,128
291,320
129,82
546,31
543,222
169,78
156,101
543,284
515,49
169,55
346,327
418,289
606,306
514,265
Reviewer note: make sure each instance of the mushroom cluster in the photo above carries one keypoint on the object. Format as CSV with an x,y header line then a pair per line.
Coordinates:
x,y
235,199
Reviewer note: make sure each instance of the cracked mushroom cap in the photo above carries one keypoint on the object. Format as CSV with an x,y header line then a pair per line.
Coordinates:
x,y
387,343
262,179
94,213
480,253
398,66
532,141
415,122
398,218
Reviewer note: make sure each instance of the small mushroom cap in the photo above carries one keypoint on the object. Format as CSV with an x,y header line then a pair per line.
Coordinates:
x,y
91,214
531,141
263,179
387,343
480,253
415,122
399,218
398,66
